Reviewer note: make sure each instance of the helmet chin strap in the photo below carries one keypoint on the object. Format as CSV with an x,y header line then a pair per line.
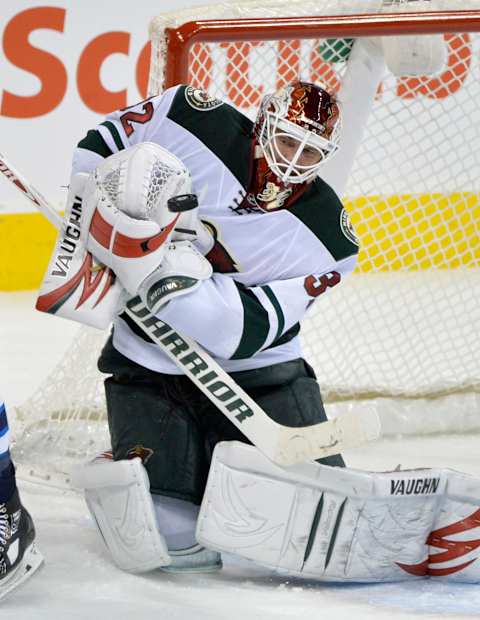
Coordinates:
x,y
258,152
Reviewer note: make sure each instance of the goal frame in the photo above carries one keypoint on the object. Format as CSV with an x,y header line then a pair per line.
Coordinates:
x,y
180,40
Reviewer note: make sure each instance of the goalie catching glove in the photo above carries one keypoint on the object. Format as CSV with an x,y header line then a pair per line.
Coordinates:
x,y
116,235
135,199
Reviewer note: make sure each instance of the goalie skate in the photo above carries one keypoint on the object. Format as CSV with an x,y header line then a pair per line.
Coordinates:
x,y
196,559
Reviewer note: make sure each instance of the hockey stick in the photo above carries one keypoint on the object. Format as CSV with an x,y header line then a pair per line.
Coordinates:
x,y
30,192
282,444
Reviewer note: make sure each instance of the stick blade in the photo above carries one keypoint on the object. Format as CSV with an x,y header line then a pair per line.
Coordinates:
x,y
309,443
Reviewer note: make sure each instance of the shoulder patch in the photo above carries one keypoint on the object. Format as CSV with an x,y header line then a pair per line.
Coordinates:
x,y
200,100
321,210
347,228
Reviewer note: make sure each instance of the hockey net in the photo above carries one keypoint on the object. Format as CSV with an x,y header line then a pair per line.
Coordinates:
x,y
402,333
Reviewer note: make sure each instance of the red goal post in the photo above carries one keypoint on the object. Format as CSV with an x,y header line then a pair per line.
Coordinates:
x,y
179,41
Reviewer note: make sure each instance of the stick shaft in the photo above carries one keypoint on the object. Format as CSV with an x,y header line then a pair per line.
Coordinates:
x,y
29,191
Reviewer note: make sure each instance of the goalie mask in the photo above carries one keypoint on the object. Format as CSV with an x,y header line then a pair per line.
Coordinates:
x,y
298,129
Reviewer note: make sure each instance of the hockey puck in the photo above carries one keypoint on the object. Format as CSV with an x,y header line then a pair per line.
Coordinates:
x,y
182,202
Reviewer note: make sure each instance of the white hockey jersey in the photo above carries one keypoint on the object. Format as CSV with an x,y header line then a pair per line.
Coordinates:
x,y
268,266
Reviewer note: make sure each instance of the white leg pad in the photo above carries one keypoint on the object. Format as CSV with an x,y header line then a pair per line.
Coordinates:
x,y
454,543
321,522
118,497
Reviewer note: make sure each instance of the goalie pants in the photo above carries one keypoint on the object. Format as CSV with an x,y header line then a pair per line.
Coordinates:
x,y
173,427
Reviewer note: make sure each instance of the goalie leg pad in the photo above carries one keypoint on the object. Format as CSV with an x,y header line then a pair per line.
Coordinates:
x,y
454,542
313,520
118,497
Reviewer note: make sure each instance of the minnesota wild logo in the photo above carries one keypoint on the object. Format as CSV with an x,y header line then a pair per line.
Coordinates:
x,y
347,228
141,452
201,100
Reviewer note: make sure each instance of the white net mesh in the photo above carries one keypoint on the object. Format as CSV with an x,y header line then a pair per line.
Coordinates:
x,y
402,333
64,422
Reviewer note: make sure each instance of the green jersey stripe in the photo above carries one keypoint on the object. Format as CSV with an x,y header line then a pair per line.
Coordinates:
x,y
115,135
256,324
94,142
287,336
278,309
232,143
